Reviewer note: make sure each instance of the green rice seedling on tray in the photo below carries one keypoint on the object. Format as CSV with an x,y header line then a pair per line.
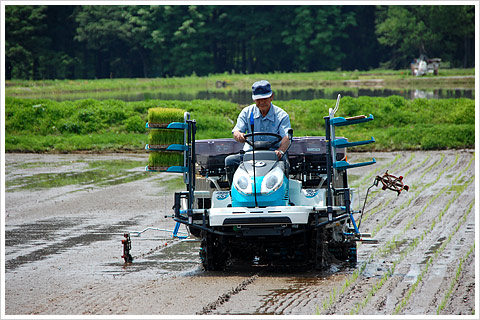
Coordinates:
x,y
161,117
161,160
162,138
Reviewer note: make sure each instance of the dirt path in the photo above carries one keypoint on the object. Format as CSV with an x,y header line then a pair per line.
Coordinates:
x,y
63,245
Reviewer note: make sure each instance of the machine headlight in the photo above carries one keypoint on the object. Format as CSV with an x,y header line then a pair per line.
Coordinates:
x,y
272,181
241,181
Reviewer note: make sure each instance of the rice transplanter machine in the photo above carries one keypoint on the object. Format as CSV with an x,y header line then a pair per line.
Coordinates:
x,y
274,211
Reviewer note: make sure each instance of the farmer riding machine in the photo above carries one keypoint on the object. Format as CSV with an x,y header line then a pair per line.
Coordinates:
x,y
298,209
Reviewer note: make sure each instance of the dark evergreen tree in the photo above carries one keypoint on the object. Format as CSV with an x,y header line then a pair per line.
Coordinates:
x,y
100,41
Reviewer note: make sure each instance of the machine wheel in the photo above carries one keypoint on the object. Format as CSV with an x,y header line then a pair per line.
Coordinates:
x,y
344,251
352,254
213,253
320,249
194,232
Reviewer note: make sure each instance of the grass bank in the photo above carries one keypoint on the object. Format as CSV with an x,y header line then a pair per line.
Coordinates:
x,y
41,125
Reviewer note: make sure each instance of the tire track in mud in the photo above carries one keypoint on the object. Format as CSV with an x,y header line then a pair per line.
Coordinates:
x,y
333,307
282,294
298,296
227,295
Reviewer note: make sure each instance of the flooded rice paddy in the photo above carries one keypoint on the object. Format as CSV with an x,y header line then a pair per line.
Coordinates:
x,y
245,96
65,216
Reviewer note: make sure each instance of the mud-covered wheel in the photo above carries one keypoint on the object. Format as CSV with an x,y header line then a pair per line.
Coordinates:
x,y
213,253
320,249
344,251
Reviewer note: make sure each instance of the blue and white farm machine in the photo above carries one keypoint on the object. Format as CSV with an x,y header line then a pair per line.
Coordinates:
x,y
298,210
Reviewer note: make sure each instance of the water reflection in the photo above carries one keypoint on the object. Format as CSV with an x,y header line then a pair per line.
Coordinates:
x,y
245,96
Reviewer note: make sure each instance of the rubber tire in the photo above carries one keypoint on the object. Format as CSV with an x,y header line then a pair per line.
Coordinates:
x,y
213,253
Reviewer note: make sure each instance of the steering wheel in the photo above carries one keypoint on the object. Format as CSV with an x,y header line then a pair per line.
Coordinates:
x,y
263,145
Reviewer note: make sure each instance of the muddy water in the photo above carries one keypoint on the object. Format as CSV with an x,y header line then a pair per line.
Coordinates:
x,y
63,245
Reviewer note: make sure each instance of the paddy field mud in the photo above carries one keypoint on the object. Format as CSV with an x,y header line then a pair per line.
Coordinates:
x,y
65,216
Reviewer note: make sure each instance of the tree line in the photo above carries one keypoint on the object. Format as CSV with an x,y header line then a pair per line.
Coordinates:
x,y
120,41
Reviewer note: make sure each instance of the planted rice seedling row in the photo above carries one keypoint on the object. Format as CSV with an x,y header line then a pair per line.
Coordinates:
x,y
430,260
388,248
373,173
391,244
355,275
406,204
457,276
410,223
372,194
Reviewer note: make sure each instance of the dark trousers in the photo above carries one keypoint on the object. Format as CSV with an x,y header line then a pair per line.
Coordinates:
x,y
231,164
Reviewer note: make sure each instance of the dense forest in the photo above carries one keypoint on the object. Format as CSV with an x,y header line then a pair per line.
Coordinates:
x,y
93,41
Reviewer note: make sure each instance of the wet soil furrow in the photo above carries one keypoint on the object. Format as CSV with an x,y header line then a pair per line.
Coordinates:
x,y
408,250
415,200
397,204
392,275
392,244
438,265
425,251
370,173
96,233
461,290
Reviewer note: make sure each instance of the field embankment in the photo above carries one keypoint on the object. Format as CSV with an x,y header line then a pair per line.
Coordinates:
x,y
42,125
387,78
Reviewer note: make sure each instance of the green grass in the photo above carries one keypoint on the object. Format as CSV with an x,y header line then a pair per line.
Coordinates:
x,y
95,142
172,183
41,125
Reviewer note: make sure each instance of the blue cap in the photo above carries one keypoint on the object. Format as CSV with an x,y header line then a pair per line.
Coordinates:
x,y
261,90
